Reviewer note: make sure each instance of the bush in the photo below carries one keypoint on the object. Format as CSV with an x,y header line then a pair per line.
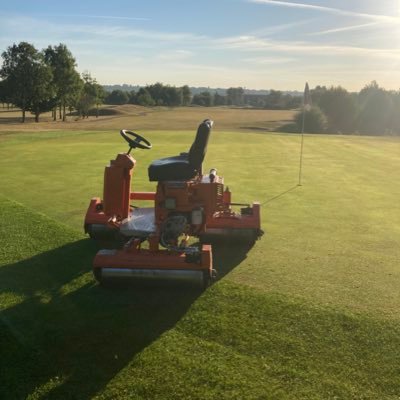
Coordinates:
x,y
314,120
117,97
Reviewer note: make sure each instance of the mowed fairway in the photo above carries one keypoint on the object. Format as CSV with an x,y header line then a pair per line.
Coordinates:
x,y
135,117
310,312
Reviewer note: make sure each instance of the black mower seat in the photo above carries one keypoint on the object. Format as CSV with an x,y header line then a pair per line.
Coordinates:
x,y
186,165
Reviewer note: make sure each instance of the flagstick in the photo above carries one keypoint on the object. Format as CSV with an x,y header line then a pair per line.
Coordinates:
x,y
302,141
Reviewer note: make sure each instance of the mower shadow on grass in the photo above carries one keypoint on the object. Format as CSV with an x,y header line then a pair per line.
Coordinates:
x,y
227,255
68,337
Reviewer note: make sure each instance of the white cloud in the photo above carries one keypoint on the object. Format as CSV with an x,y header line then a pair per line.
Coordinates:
x,y
279,28
111,17
331,10
269,60
253,43
174,55
344,29
20,25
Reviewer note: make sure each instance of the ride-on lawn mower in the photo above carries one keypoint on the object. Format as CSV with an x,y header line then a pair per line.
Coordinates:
x,y
186,203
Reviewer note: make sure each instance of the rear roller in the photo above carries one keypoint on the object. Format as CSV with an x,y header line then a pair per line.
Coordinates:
x,y
199,279
105,236
245,236
137,265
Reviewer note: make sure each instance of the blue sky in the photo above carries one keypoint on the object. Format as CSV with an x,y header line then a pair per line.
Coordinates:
x,y
258,44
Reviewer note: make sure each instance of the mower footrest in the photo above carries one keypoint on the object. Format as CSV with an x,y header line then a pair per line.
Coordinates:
x,y
140,224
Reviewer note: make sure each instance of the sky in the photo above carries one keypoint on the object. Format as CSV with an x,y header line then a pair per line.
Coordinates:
x,y
256,44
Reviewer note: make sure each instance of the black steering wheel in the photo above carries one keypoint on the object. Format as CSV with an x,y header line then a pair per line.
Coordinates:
x,y
138,141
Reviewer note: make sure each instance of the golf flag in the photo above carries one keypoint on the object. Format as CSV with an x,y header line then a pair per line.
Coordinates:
x,y
306,107
307,98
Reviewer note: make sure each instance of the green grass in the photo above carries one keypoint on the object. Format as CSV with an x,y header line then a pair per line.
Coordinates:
x,y
311,311
65,337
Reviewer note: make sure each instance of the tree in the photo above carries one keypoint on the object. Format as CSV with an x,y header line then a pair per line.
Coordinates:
x,y
274,100
340,109
65,77
172,96
292,102
117,97
376,108
132,97
314,120
157,93
165,95
73,96
394,124
28,78
317,93
144,98
219,100
202,99
186,95
100,96
43,94
234,96
4,93
89,95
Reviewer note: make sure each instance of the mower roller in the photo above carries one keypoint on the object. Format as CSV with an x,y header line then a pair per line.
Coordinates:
x,y
152,243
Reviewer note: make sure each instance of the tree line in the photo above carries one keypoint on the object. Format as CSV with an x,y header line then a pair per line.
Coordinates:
x,y
151,95
171,96
373,110
40,81
46,80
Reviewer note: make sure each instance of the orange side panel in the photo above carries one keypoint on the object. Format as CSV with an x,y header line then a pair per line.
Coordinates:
x,y
221,221
94,214
142,196
117,183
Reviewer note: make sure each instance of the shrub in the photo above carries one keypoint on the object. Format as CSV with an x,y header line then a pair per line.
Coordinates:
x,y
314,120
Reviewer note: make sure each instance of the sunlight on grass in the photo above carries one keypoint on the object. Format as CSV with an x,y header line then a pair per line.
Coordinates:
x,y
44,390
10,299
43,297
75,284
